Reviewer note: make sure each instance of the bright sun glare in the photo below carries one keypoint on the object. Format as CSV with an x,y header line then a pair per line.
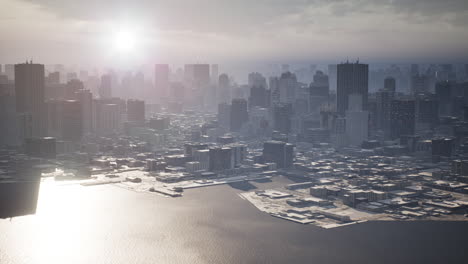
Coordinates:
x,y
124,41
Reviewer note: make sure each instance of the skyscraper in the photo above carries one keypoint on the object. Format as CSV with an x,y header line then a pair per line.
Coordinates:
x,y
352,78
282,114
161,81
224,89
239,114
72,120
214,73
29,87
85,97
357,121
332,68
319,91
287,88
135,110
105,90
224,115
390,84
384,100
258,92
402,118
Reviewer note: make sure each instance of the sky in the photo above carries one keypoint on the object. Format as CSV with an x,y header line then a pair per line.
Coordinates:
x,y
107,32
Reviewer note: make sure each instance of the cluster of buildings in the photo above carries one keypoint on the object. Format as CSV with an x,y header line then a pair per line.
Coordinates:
x,y
356,134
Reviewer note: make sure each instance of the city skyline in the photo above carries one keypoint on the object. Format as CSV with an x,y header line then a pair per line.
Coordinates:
x,y
222,131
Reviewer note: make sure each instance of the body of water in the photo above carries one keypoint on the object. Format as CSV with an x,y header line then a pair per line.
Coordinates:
x,y
107,224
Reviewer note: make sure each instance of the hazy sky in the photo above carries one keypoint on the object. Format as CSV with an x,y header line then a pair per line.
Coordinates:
x,y
90,31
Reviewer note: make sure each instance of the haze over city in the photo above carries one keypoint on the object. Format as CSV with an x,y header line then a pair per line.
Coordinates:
x,y
241,131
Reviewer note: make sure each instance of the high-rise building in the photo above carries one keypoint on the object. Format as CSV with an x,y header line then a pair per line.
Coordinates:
x,y
198,75
224,88
384,100
8,122
287,87
30,99
239,114
282,115
224,115
85,97
105,90
419,84
332,71
108,118
259,96
135,110
390,84
273,83
72,120
161,81
214,73
444,93
352,78
357,121
320,79
278,152
10,71
319,91
402,118
427,111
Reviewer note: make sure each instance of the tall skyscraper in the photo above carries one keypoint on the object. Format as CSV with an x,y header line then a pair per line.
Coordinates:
x,y
224,115
357,121
444,94
135,110
108,118
332,68
402,118
427,112
352,78
384,100
161,81
85,97
390,84
224,89
239,114
72,120
288,87
419,84
259,95
214,73
319,91
282,115
105,90
29,87
273,83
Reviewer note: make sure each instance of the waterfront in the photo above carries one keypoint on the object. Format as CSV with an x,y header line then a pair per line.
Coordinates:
x,y
108,224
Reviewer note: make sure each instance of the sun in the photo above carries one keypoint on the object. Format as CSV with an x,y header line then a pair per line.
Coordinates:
x,y
125,41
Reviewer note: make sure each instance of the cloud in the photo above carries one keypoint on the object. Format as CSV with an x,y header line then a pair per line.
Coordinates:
x,y
244,29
